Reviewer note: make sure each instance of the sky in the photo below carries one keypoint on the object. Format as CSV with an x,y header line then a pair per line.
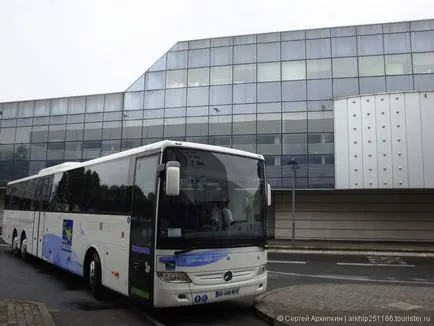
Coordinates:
x,y
60,48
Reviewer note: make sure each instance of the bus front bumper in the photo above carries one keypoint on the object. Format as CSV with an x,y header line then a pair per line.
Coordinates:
x,y
186,294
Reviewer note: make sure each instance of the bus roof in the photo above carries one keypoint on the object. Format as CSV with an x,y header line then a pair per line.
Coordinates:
x,y
142,149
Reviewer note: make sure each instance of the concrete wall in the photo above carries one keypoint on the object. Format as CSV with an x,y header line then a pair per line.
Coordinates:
x,y
357,215
384,141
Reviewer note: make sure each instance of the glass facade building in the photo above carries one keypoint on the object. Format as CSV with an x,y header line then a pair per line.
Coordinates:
x,y
269,93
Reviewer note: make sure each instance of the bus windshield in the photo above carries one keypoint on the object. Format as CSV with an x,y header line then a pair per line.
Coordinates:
x,y
222,201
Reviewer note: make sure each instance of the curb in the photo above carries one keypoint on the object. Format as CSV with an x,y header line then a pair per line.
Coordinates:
x,y
46,316
260,312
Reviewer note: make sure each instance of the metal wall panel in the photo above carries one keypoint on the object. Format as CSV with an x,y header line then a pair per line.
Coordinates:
x,y
341,144
414,141
427,117
355,148
384,147
369,143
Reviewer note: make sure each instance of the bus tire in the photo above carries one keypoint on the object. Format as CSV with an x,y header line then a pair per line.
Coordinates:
x,y
24,253
14,245
94,276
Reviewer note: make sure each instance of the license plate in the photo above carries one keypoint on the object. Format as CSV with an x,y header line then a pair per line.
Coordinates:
x,y
224,293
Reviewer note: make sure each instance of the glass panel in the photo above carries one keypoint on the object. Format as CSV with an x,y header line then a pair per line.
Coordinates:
x,y
74,131
344,47
95,103
268,71
318,33
199,58
197,126
420,25
93,117
245,39
6,152
38,151
269,144
345,67
57,133
294,70
319,48
152,114
371,66
319,68
22,151
244,108
422,41
295,144
55,151
59,106
293,35
423,63
268,52
268,37
130,143
174,127
369,29
399,83
39,134
293,50
132,115
345,87
320,143
76,105
397,43
174,113
372,85
197,111
113,102
269,92
398,64
221,75
111,116
221,94
244,73
77,118
132,129
42,108
159,65
22,135
177,60
221,56
112,130
73,151
92,131
38,121
220,140
370,45
197,96
244,124
138,85
244,143
7,135
424,82
343,31
222,41
25,109
198,77
152,128
91,149
176,78
320,121
23,122
134,101
199,44
245,53
220,109
269,107
244,93
269,123
319,89
220,125
294,106
321,166
294,122
396,27
294,91
155,80
153,99
110,147
175,97
179,46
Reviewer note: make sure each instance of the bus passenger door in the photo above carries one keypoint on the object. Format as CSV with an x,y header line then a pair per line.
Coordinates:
x,y
141,269
43,194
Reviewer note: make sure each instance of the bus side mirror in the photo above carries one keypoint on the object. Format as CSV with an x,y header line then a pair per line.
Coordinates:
x,y
268,194
172,178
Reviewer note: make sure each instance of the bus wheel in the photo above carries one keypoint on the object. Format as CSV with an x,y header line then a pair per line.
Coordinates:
x,y
24,254
15,241
94,276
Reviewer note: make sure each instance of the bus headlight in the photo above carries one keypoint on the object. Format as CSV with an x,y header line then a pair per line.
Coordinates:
x,y
173,277
262,269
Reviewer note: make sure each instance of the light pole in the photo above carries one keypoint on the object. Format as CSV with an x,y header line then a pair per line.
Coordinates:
x,y
293,164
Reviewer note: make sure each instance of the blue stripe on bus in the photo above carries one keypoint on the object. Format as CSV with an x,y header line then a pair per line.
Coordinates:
x,y
141,250
195,259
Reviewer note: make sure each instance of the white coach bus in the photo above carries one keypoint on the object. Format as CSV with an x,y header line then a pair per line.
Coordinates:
x,y
150,222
